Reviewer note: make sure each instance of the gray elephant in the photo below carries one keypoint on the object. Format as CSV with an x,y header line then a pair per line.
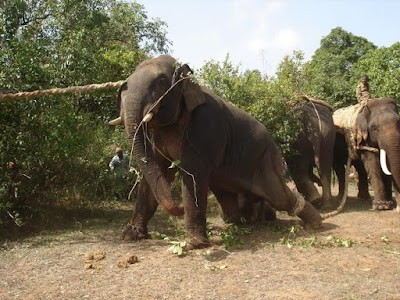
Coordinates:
x,y
374,151
314,147
168,118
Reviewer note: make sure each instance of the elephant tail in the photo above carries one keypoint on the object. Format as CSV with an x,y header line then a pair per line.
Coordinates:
x,y
345,193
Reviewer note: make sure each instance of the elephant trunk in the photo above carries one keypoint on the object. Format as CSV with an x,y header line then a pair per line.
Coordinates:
x,y
145,157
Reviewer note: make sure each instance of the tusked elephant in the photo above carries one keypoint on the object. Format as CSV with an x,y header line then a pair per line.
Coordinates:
x,y
314,147
374,151
170,118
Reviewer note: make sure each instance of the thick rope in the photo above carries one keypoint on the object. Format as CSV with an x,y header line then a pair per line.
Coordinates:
x,y
367,148
68,90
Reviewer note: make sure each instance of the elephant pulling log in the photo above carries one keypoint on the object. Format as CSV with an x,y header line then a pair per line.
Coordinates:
x,y
169,118
370,135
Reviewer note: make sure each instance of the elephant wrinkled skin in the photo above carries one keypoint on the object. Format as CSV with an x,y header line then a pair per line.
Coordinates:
x,y
219,147
377,126
315,148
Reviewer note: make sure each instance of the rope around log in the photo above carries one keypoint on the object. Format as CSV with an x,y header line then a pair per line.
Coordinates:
x,y
68,90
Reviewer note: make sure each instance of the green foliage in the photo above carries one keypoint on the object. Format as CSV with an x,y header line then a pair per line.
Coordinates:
x,y
178,248
393,252
340,242
230,235
291,239
383,68
212,267
228,82
331,64
59,147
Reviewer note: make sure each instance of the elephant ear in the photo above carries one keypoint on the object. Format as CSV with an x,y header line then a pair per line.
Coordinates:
x,y
192,94
124,87
362,123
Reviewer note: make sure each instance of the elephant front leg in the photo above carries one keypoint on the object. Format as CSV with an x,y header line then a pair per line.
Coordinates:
x,y
229,204
340,173
300,170
145,207
372,166
194,196
362,184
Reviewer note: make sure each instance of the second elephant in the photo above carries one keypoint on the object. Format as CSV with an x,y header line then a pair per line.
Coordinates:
x,y
314,148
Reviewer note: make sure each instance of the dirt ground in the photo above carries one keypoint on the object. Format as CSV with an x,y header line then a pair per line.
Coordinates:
x,y
356,255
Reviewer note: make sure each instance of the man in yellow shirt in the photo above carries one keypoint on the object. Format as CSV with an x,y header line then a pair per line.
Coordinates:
x,y
362,91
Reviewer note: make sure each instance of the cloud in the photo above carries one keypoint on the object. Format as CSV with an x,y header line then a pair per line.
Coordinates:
x,y
274,7
287,39
262,25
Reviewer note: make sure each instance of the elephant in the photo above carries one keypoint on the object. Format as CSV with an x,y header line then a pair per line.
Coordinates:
x,y
168,117
314,147
377,154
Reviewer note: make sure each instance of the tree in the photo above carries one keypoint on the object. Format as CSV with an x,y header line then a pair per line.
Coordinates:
x,y
291,75
51,146
383,67
330,66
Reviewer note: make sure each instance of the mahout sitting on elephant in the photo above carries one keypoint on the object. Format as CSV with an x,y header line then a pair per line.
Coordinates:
x,y
370,135
170,118
314,147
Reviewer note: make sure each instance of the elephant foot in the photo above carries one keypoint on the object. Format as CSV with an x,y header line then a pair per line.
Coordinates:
x,y
329,205
270,215
311,217
318,203
197,244
365,196
134,233
312,226
382,205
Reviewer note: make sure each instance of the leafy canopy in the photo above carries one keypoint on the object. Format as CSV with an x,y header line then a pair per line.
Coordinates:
x,y
59,147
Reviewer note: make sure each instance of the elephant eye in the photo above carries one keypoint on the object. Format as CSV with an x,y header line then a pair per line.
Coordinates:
x,y
374,127
162,81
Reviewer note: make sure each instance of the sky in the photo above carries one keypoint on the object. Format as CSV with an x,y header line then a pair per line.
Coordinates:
x,y
257,34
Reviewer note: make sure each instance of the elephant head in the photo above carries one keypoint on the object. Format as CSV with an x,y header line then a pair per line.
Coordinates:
x,y
156,95
378,124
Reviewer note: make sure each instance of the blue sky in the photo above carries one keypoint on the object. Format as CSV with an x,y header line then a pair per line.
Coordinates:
x,y
258,34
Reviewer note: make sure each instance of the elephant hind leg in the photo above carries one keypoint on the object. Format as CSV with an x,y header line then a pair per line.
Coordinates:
x,y
243,207
260,209
362,184
278,196
229,205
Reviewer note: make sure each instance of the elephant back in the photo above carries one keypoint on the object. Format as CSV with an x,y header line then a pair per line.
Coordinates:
x,y
345,121
345,118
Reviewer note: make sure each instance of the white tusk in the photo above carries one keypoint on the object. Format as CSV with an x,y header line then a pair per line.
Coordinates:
x,y
117,121
383,162
148,117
